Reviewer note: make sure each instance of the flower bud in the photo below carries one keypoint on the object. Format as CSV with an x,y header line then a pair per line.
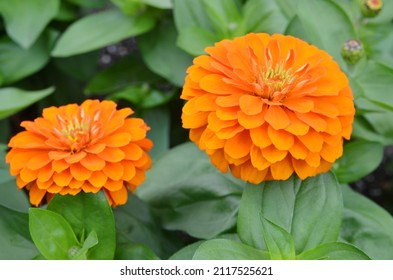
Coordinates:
x,y
352,51
370,8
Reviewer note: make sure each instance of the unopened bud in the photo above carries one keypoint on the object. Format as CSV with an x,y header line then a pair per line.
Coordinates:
x,y
352,51
370,8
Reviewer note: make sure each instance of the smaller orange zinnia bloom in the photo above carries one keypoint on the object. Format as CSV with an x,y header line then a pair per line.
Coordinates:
x,y
267,106
88,148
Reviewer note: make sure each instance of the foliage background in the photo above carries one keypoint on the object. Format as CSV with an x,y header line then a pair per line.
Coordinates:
x,y
136,52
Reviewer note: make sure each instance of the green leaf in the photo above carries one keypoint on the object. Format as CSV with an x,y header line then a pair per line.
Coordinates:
x,y
89,3
52,234
327,26
87,212
359,159
279,242
194,40
98,30
265,16
162,4
13,100
186,253
129,71
25,20
190,194
160,43
334,251
136,224
11,196
15,240
367,226
17,63
159,121
310,210
224,249
135,252
77,253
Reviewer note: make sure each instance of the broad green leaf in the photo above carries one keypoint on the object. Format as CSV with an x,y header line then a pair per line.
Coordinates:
x,y
136,224
187,252
265,16
25,20
359,159
159,44
363,128
367,226
52,234
188,193
162,4
15,240
279,242
134,252
129,71
98,30
310,210
159,121
87,212
327,26
334,251
224,249
17,63
194,40
13,100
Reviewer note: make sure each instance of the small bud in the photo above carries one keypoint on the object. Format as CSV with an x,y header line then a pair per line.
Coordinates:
x,y
371,8
352,51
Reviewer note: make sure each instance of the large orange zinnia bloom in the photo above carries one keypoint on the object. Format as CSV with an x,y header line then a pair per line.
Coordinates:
x,y
267,106
81,148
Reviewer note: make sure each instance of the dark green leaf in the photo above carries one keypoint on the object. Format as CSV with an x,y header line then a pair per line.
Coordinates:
x,y
334,251
52,234
15,240
159,44
327,26
17,63
13,100
162,4
87,212
279,242
159,121
186,253
25,20
129,71
224,249
359,159
98,30
135,252
367,226
309,210
136,224
190,194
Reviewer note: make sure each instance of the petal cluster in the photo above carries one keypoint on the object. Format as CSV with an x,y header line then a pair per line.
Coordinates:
x,y
266,106
88,148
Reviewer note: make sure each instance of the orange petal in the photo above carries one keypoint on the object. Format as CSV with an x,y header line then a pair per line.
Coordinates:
x,y
219,161
302,169
36,195
282,170
296,127
250,173
272,154
313,120
239,145
300,105
117,139
77,157
114,185
75,184
277,117
28,140
214,84
313,159
228,100
59,165
114,171
298,150
62,179
260,136
138,178
28,175
196,120
281,139
45,173
312,141
55,155
129,170
89,188
38,161
112,154
250,105
132,151
331,153
250,122
79,172
96,148
93,162
119,197
257,158
98,179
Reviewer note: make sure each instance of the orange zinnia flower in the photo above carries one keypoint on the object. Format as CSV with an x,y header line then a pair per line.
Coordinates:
x,y
267,106
81,148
